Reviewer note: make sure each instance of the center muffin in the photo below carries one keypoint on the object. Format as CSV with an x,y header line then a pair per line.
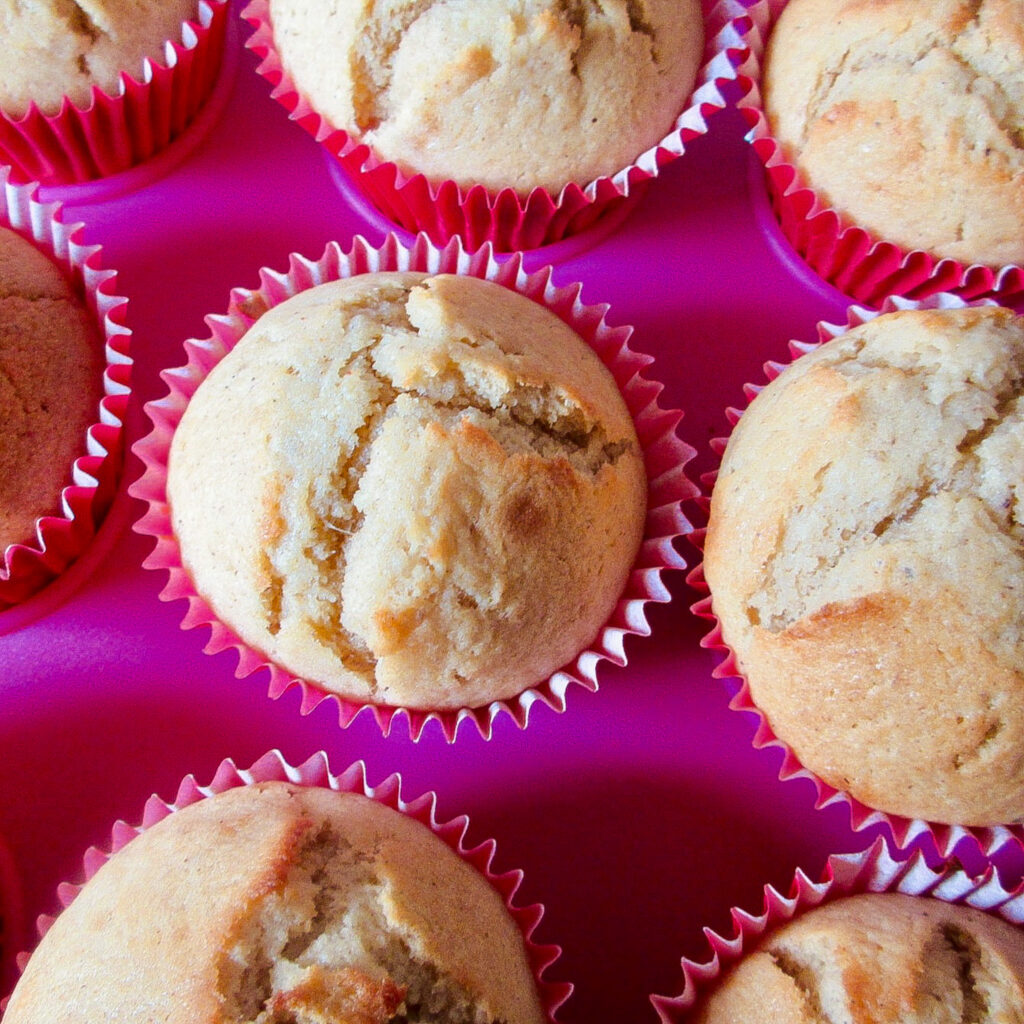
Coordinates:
x,y
410,490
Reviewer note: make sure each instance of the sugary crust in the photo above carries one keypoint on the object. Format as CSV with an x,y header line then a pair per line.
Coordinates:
x,y
878,959
418,491
516,93
865,553
908,118
183,924
51,382
58,48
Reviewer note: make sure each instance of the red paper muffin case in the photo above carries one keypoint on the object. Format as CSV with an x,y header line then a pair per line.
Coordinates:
x,y
93,479
443,210
664,453
874,870
316,771
905,831
862,266
111,134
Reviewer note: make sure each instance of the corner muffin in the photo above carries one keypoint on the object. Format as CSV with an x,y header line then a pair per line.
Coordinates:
x,y
275,902
51,383
886,958
58,48
418,491
500,93
865,552
907,118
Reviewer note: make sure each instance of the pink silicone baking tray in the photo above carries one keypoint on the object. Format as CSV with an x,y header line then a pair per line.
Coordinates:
x,y
639,815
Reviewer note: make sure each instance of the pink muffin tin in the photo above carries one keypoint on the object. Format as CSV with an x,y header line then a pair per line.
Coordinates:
x,y
641,812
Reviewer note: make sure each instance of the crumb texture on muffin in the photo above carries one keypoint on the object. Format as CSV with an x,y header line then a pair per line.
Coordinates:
x,y
420,491
502,93
908,118
878,959
274,904
865,555
58,48
51,383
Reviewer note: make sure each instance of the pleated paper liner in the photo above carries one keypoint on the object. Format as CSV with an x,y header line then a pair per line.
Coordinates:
x,y
665,457
860,265
316,772
443,210
60,538
874,870
113,133
905,831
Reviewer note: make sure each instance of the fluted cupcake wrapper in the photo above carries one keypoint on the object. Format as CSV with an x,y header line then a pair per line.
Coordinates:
x,y
874,870
113,133
945,837
316,771
443,210
60,538
665,457
859,264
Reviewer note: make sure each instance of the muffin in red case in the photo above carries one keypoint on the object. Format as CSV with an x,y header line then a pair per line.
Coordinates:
x,y
871,872
327,847
872,537
664,456
63,532
508,219
865,263
111,132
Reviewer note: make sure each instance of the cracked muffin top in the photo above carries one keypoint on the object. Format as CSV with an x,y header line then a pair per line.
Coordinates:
x,y
878,958
275,903
865,556
51,383
417,491
58,48
501,93
907,118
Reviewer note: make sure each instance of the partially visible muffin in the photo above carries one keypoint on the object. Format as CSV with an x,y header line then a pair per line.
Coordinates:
x,y
62,48
274,902
418,491
907,118
51,383
865,557
883,958
500,93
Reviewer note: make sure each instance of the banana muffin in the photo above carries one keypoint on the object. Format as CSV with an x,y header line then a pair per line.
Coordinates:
x,y
59,48
907,118
274,902
500,93
51,383
865,557
886,958
417,491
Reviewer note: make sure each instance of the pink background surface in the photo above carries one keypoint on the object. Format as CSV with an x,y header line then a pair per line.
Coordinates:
x,y
642,813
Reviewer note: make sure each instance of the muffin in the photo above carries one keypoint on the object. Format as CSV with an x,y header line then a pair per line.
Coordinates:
x,y
864,557
887,958
57,49
271,902
898,123
520,122
502,93
412,490
51,382
89,91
